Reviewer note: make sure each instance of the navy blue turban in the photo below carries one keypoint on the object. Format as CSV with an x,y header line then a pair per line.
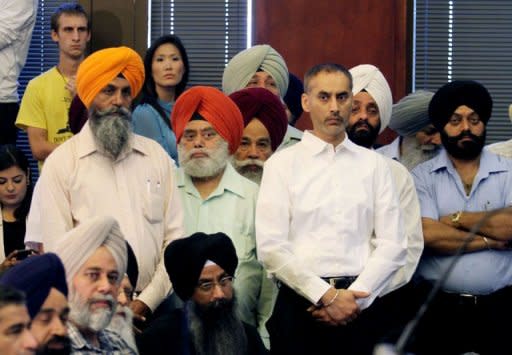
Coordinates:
x,y
36,276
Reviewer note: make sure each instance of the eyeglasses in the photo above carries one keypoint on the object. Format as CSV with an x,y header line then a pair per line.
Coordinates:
x,y
210,285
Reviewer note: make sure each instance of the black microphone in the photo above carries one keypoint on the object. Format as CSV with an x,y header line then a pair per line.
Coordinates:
x,y
405,336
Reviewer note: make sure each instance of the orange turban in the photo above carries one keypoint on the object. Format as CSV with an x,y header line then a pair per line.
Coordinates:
x,y
101,67
215,107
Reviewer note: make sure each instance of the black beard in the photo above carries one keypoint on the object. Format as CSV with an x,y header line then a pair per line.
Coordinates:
x,y
216,329
64,349
467,150
363,138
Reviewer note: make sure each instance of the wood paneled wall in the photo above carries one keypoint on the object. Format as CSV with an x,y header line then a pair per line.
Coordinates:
x,y
309,32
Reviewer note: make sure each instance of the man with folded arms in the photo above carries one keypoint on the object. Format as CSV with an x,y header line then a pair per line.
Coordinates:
x,y
461,188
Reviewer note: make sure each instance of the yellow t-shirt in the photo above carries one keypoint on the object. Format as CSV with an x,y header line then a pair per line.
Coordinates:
x,y
45,105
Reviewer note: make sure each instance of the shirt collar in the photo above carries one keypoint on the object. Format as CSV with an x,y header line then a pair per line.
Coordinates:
x,y
315,145
87,144
489,163
231,181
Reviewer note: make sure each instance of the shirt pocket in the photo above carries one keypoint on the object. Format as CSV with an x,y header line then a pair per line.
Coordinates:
x,y
154,208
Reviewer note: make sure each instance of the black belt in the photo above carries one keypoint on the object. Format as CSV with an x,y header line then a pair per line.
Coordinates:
x,y
466,299
340,282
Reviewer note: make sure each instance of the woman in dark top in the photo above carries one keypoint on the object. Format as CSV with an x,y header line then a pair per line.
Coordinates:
x,y
15,197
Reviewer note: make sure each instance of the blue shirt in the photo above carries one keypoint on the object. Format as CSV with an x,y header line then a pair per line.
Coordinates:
x,y
441,192
148,123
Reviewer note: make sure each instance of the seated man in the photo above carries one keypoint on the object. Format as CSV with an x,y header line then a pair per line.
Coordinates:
x,y
43,280
15,335
122,321
94,256
260,66
265,126
418,139
208,128
201,268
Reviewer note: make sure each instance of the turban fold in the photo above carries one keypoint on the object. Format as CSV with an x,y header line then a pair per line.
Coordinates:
x,y
369,78
78,244
293,97
245,64
457,93
185,259
103,66
36,276
410,114
262,104
214,107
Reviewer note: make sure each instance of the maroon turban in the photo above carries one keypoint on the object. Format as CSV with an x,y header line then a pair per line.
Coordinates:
x,y
262,104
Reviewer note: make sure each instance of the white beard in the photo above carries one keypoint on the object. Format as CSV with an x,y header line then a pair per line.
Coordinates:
x,y
123,325
83,317
209,166
240,166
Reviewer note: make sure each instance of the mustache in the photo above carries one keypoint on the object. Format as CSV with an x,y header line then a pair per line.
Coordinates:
x,y
103,298
246,162
112,111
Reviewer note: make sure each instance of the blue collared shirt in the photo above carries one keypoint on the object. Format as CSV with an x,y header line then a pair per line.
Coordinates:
x,y
441,192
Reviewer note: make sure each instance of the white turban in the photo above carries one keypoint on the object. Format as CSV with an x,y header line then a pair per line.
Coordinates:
x,y
369,78
77,245
245,64
410,114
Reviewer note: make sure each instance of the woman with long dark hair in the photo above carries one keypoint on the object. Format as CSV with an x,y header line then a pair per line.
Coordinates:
x,y
167,70
15,197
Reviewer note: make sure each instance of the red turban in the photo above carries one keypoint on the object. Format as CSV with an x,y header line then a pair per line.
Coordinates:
x,y
262,104
101,67
215,107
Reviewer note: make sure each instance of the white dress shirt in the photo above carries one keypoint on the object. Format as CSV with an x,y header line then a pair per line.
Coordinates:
x,y
317,212
17,20
138,189
411,218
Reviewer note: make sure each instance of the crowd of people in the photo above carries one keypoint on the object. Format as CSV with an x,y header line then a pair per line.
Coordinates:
x,y
170,219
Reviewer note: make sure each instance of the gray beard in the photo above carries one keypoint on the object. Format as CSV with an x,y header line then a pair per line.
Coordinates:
x,y
209,166
112,130
123,325
413,154
240,166
82,316
222,334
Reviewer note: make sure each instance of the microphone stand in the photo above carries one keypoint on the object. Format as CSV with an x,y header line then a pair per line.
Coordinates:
x,y
409,329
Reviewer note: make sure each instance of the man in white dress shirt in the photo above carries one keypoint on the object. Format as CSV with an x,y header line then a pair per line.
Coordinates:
x,y
327,227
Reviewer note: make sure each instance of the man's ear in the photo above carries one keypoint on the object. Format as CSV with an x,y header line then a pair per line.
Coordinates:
x,y
55,36
304,99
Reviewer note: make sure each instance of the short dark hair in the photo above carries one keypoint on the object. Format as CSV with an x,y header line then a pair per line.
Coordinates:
x,y
9,295
325,68
68,9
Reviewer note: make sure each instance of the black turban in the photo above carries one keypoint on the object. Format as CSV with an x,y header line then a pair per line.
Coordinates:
x,y
132,268
185,258
36,276
293,97
457,93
